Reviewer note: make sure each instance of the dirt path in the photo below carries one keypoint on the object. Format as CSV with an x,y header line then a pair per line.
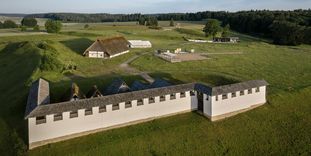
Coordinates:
x,y
131,70
224,53
22,33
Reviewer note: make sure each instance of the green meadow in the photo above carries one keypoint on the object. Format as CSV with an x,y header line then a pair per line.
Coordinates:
x,y
281,127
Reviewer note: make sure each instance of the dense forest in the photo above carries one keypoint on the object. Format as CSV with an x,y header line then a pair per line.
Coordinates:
x,y
284,27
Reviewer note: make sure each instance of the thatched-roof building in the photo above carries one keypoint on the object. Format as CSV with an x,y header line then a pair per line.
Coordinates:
x,y
107,48
76,93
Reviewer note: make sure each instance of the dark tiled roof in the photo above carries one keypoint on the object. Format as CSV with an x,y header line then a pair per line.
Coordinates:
x,y
34,110
159,83
39,94
137,85
117,86
238,87
94,92
106,100
111,46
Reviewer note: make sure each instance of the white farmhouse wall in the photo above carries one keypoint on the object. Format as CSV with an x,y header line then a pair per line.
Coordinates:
x,y
229,105
55,129
96,54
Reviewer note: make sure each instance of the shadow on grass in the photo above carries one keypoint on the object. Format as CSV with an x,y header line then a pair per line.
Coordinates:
x,y
59,89
18,62
251,37
219,80
78,45
79,34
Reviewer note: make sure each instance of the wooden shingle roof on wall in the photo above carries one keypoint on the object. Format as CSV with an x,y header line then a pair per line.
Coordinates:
x,y
238,87
111,46
39,94
34,109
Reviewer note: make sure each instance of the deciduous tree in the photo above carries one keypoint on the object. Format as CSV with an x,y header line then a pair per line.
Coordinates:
x,y
287,33
29,22
172,23
36,28
212,27
53,26
225,31
9,24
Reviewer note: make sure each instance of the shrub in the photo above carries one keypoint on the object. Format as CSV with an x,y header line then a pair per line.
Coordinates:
x,y
49,62
36,28
23,28
172,23
46,46
86,26
9,24
29,22
53,26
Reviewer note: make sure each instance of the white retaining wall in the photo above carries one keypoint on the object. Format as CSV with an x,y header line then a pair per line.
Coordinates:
x,y
67,126
212,108
233,104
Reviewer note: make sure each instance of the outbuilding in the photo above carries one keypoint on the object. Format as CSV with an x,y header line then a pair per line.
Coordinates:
x,y
226,39
140,44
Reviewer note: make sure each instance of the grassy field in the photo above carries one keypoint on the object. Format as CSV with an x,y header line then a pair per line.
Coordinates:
x,y
282,127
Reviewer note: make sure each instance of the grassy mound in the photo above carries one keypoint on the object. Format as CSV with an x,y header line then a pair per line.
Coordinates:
x,y
190,32
19,62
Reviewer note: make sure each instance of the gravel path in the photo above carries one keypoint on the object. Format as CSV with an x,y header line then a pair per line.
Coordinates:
x,y
128,69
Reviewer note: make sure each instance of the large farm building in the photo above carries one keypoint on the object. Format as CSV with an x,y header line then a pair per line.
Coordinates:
x,y
108,48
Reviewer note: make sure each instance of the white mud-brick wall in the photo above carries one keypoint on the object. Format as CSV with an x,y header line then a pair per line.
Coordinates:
x,y
67,126
239,102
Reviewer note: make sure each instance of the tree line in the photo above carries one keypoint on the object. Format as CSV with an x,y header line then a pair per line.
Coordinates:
x,y
25,23
51,26
284,27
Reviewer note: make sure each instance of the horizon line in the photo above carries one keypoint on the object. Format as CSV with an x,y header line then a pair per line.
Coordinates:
x,y
152,13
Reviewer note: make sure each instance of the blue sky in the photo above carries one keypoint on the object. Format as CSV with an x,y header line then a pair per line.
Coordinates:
x,y
145,6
